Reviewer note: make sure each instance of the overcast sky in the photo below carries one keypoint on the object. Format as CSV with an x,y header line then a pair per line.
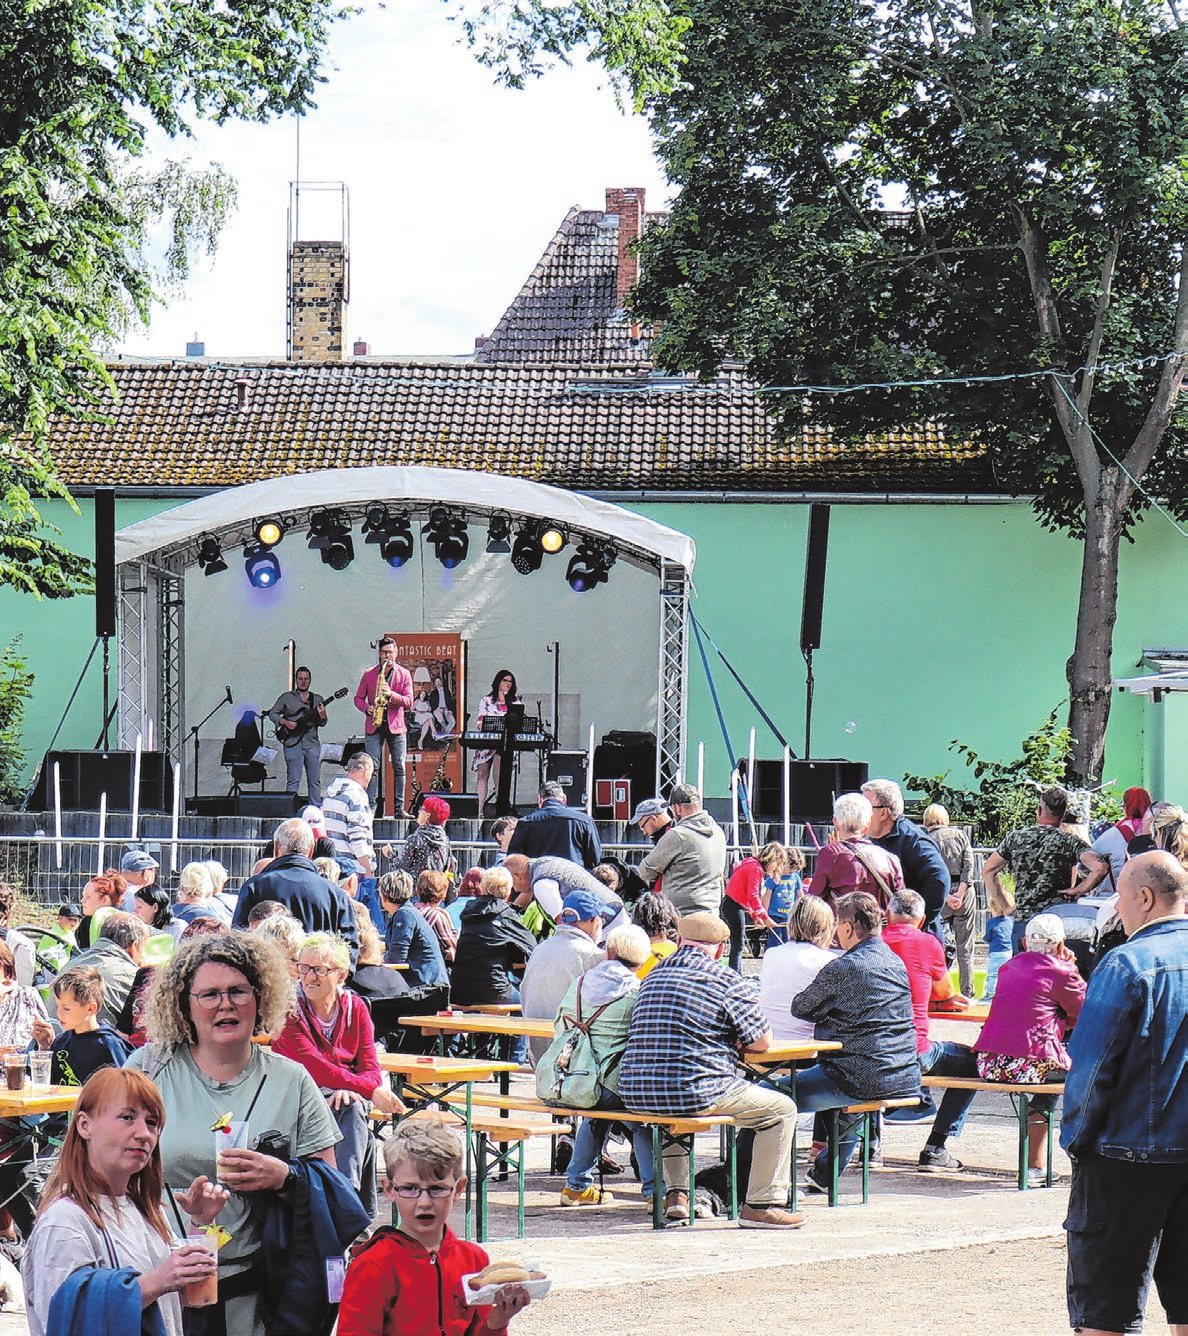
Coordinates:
x,y
455,188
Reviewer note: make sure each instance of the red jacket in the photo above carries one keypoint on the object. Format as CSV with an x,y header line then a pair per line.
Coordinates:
x,y
395,1288
347,1061
400,700
745,885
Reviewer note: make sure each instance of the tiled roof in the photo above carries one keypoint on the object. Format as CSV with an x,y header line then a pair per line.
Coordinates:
x,y
567,311
179,424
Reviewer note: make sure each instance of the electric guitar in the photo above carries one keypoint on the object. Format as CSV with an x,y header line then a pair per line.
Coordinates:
x,y
306,718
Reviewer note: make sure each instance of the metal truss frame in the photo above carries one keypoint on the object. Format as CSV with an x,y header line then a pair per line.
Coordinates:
x,y
672,684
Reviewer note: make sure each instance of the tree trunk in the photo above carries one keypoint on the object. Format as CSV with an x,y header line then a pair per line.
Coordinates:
x,y
1089,671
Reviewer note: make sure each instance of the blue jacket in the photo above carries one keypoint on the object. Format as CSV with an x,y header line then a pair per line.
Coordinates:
x,y
321,1217
411,939
924,869
559,831
1126,1097
97,1301
318,906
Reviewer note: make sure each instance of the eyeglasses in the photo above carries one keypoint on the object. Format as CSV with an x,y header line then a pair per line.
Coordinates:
x,y
411,1191
880,807
209,999
318,971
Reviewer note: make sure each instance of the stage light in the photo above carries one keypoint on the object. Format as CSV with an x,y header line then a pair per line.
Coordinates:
x,y
590,566
268,532
447,532
527,553
330,534
498,532
552,538
210,556
393,533
261,566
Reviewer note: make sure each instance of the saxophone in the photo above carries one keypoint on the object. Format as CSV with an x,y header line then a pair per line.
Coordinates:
x,y
383,693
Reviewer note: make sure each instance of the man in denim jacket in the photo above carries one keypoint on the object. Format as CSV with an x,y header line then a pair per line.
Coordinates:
x,y
1126,1114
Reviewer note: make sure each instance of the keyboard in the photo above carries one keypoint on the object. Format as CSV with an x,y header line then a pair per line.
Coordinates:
x,y
495,741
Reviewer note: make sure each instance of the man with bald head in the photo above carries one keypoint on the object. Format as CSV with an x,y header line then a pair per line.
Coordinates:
x,y
1125,1120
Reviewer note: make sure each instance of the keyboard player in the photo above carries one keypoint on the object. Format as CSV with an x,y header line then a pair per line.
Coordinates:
x,y
485,764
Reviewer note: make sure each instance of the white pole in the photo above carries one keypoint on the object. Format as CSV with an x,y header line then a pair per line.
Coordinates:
x,y
590,773
136,788
787,795
176,812
102,832
58,811
734,803
151,734
701,768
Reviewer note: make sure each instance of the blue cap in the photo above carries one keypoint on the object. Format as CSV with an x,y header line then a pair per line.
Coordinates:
x,y
580,906
348,864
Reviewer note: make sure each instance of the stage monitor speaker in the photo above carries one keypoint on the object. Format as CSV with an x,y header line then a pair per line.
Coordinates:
x,y
105,572
813,786
571,770
461,804
635,761
277,806
814,577
85,775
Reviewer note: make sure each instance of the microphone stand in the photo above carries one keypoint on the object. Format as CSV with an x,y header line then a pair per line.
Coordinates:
x,y
194,736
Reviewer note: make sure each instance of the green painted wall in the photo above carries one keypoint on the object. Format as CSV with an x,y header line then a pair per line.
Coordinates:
x,y
941,622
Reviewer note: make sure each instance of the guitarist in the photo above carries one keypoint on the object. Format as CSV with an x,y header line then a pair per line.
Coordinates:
x,y
298,714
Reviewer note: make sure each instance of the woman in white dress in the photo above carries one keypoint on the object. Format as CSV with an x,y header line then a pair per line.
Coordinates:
x,y
486,763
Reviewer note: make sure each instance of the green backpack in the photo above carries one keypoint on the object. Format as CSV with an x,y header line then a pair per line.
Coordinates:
x,y
568,1073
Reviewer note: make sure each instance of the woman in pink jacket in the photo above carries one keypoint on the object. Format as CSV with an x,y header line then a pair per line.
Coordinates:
x,y
1038,998
331,1035
744,895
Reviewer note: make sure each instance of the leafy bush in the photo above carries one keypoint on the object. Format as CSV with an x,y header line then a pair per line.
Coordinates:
x,y
16,686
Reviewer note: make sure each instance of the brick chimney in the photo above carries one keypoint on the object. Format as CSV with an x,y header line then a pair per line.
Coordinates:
x,y
627,203
317,301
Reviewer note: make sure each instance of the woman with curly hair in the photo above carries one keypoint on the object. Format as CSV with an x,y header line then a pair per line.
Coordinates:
x,y
205,1005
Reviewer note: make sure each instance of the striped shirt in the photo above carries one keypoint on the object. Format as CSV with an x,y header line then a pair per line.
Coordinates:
x,y
348,818
691,1017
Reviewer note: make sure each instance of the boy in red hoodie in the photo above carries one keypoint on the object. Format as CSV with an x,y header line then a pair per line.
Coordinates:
x,y
409,1280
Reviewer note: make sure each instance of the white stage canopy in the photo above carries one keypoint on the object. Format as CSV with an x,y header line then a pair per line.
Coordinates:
x,y
185,637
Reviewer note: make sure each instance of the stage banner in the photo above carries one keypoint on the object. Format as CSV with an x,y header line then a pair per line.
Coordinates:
x,y
437,662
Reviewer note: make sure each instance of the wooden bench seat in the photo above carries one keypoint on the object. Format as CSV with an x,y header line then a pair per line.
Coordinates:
x,y
1019,1095
667,1130
864,1111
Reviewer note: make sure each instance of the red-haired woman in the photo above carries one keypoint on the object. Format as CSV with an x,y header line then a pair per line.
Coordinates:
x,y
427,848
103,892
101,1211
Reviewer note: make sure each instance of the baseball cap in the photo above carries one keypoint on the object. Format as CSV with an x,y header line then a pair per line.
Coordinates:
x,y
348,865
579,906
70,909
649,807
138,860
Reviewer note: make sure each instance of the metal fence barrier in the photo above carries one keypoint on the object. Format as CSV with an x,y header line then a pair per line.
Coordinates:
x,y
48,870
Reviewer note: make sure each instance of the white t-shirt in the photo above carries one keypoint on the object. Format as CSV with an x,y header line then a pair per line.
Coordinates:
x,y
64,1240
787,970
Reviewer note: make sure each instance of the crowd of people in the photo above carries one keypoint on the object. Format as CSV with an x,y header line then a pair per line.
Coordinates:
x,y
189,1127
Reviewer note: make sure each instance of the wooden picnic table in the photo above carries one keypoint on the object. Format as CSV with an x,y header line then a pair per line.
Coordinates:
x,y
472,1022
26,1102
437,1080
973,1015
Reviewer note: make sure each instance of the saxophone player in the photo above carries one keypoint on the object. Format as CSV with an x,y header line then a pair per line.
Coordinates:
x,y
384,693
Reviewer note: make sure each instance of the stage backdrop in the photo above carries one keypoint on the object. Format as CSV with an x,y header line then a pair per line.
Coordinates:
x,y
237,636
437,664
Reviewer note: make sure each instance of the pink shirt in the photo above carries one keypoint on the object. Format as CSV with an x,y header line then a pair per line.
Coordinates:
x,y
399,701
839,871
924,959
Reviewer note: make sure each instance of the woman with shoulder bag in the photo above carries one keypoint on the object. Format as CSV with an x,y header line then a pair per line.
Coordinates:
x,y
596,1009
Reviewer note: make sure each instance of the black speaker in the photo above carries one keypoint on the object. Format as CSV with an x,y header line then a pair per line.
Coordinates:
x,y
814,577
279,806
813,786
85,775
105,579
635,761
571,770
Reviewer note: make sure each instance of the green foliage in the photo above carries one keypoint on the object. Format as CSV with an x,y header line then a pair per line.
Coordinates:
x,y
16,687
1005,796
81,82
638,42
